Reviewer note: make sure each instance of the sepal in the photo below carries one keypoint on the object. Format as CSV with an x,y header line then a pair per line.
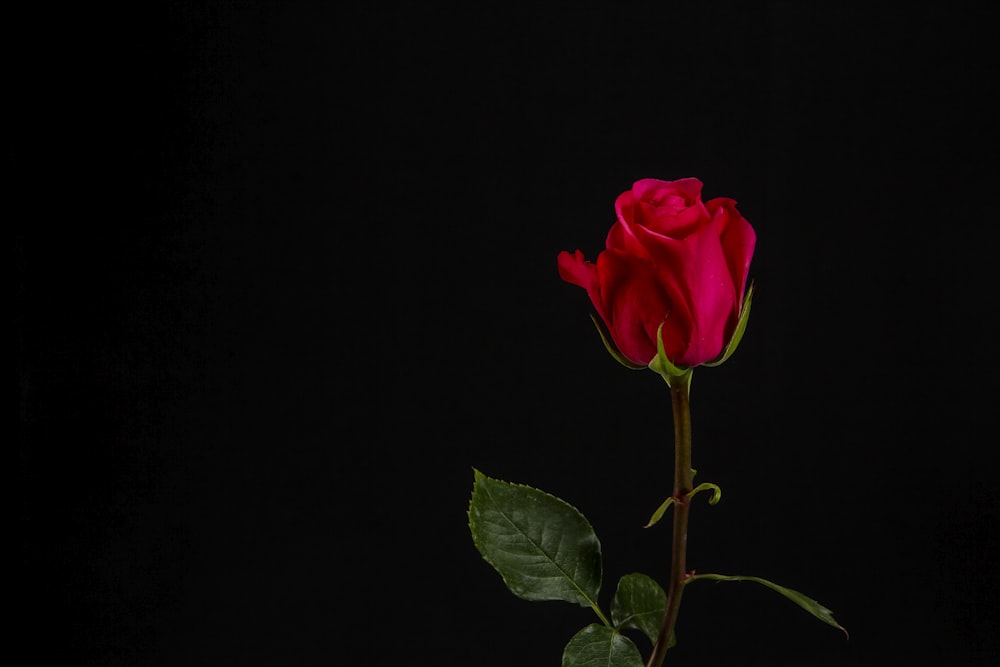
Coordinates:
x,y
661,363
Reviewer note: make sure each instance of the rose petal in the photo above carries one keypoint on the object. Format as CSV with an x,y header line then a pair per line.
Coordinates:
x,y
624,208
677,333
576,270
650,189
671,208
698,266
622,237
714,299
632,297
674,224
738,240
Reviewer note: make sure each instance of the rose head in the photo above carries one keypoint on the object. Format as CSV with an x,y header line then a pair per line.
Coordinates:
x,y
670,260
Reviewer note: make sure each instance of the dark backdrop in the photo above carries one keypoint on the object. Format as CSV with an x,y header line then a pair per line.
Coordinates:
x,y
285,274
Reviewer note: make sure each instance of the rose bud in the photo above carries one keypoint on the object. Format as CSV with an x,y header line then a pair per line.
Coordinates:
x,y
674,267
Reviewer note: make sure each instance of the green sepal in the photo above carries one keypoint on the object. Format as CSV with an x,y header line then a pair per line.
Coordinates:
x,y
639,603
612,350
807,603
542,546
601,646
661,364
741,326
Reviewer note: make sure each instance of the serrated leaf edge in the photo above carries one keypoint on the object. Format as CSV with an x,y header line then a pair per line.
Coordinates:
x,y
592,602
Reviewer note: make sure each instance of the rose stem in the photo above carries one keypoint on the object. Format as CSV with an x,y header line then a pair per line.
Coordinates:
x,y
680,389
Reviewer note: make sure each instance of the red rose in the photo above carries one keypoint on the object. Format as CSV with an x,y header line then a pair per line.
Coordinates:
x,y
674,260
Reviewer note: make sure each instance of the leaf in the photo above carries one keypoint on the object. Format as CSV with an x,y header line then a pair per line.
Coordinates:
x,y
600,646
543,547
807,603
639,603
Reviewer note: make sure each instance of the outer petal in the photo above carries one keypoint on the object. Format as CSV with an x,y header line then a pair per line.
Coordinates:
x,y
633,300
698,266
678,321
622,237
574,269
623,206
738,240
715,302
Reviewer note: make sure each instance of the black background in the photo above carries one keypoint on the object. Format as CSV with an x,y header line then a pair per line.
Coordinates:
x,y
286,273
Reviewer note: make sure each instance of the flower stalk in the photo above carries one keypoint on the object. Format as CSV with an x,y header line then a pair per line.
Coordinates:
x,y
680,392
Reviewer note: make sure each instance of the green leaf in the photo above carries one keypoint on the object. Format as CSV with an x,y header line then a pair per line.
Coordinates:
x,y
600,646
807,603
612,350
639,603
741,326
543,547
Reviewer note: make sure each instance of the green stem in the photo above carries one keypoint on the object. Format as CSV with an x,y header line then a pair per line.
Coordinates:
x,y
680,391
600,615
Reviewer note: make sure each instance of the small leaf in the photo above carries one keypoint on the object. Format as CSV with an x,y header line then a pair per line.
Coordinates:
x,y
612,350
543,547
807,603
741,326
600,646
639,603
